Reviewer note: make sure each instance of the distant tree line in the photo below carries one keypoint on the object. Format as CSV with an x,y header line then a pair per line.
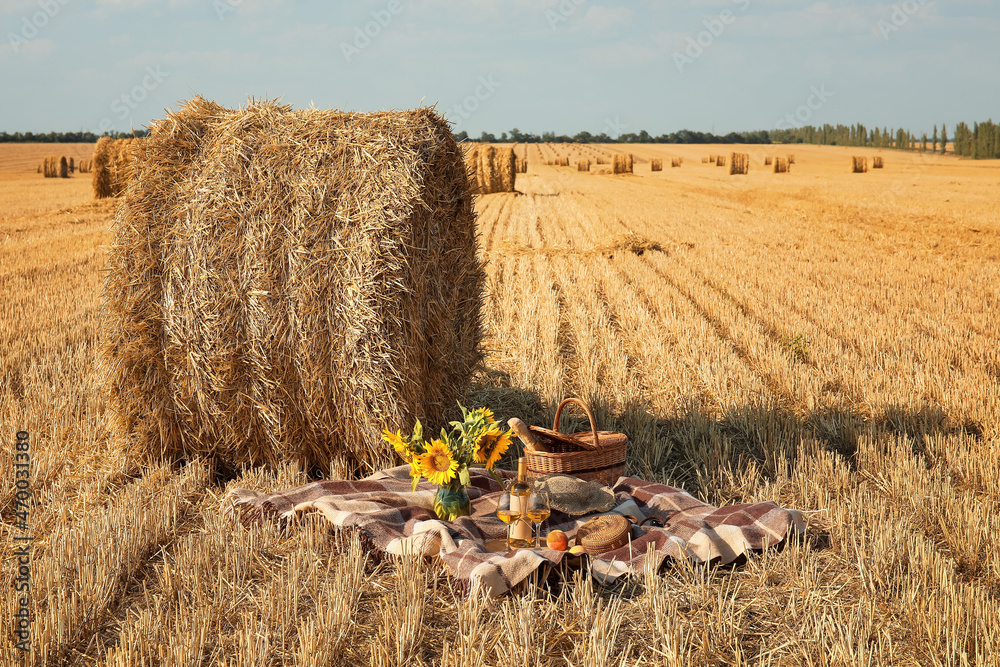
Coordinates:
x,y
981,142
642,137
64,137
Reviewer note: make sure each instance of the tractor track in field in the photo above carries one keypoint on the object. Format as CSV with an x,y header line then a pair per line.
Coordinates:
x,y
723,332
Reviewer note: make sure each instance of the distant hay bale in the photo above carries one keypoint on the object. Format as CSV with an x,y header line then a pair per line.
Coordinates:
x,y
84,166
562,162
767,161
877,162
39,169
521,165
583,165
63,167
720,160
506,162
711,159
72,165
282,285
51,167
601,160
791,159
739,163
676,161
112,166
548,163
491,169
780,165
859,164
622,163
102,168
656,164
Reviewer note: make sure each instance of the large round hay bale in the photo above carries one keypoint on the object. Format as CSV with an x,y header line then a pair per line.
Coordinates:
x,y
282,285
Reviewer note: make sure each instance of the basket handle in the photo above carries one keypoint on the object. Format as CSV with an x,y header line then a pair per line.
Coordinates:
x,y
590,415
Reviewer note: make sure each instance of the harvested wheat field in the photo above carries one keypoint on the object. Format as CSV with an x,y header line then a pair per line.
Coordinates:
x,y
821,340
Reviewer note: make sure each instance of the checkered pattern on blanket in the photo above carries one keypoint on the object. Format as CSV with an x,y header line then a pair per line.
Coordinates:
x,y
399,521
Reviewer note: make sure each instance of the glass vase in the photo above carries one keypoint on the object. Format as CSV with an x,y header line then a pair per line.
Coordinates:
x,y
452,501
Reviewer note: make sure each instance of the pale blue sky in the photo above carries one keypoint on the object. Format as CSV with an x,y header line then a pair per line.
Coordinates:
x,y
539,65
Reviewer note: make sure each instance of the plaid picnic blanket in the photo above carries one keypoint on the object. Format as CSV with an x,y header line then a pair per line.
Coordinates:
x,y
398,521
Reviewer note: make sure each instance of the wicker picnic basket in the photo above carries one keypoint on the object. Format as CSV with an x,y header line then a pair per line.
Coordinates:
x,y
590,455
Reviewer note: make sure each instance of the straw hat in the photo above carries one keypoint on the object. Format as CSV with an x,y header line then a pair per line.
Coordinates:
x,y
573,496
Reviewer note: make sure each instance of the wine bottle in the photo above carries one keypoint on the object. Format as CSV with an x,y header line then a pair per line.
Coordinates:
x,y
520,532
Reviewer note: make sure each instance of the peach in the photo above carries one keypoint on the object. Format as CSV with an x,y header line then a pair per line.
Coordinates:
x,y
557,540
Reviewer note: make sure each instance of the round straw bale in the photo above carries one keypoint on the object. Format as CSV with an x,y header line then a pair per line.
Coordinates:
x,y
282,285
63,167
507,168
102,179
622,163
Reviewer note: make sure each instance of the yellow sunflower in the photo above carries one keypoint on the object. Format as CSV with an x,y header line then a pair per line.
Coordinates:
x,y
499,449
438,465
484,444
488,414
398,443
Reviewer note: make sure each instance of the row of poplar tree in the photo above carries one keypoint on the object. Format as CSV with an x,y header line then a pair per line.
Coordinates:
x,y
980,142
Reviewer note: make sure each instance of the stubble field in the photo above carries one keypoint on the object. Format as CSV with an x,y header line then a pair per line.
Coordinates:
x,y
823,339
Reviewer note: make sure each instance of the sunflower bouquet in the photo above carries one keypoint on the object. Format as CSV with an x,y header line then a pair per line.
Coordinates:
x,y
445,460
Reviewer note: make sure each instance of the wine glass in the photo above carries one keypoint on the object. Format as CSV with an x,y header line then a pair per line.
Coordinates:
x,y
538,511
506,513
